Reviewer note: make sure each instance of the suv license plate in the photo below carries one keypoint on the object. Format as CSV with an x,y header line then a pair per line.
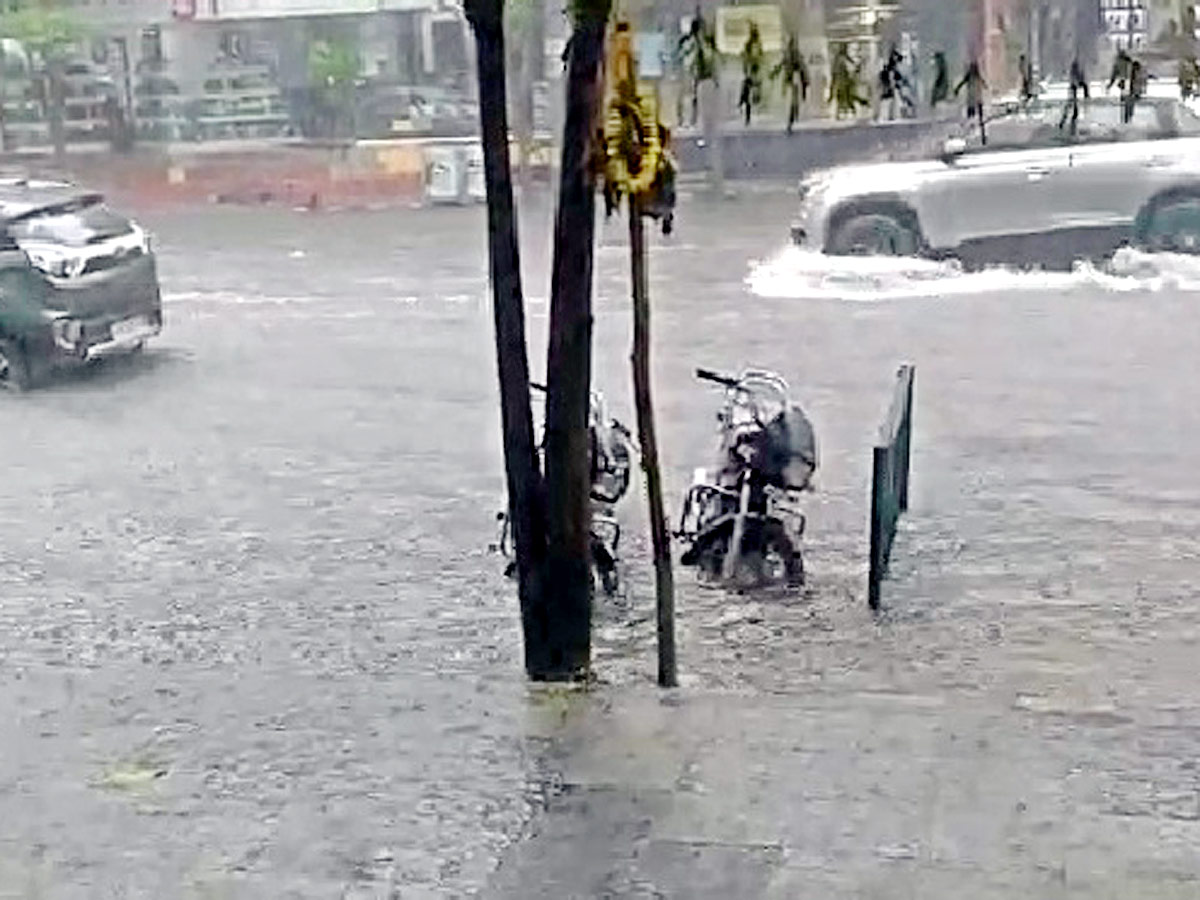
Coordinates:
x,y
130,328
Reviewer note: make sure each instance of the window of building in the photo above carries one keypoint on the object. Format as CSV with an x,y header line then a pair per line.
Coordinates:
x,y
152,48
449,46
233,45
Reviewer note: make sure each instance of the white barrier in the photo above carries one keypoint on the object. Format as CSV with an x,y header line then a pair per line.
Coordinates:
x,y
445,175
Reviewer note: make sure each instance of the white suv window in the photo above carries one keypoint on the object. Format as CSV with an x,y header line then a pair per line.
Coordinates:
x,y
1100,122
1030,129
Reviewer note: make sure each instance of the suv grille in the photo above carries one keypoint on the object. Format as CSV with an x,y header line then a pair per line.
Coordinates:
x,y
105,263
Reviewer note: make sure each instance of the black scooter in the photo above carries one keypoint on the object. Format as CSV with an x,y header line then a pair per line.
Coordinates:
x,y
612,452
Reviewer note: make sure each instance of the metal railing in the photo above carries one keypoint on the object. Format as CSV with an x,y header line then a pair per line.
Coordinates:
x,y
889,482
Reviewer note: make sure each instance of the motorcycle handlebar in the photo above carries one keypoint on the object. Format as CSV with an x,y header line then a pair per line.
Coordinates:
x,y
717,378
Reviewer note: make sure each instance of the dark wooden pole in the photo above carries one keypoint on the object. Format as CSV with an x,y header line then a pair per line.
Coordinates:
x,y
664,582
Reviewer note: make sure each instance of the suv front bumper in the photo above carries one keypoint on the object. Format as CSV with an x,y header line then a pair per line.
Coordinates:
x,y
110,311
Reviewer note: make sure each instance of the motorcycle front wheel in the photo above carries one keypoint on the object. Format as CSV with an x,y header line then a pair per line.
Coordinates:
x,y
768,556
604,565
776,556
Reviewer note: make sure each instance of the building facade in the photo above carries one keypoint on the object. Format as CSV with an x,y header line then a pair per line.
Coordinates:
x,y
210,69
1126,24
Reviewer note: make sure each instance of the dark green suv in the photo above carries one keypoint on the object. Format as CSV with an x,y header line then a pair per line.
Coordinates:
x,y
48,322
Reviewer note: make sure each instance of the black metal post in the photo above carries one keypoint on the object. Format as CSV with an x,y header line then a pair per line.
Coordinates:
x,y
906,436
878,528
890,462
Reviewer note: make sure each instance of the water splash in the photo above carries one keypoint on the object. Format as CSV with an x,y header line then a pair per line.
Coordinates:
x,y
233,298
793,273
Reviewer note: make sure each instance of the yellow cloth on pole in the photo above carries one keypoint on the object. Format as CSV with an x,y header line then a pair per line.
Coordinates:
x,y
631,128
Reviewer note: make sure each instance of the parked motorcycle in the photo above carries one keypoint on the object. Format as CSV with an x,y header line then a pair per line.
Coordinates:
x,y
747,504
612,452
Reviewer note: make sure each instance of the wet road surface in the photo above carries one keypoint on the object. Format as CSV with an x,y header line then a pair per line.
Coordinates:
x,y
252,642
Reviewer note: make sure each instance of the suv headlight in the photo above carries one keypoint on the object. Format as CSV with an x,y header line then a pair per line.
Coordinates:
x,y
67,332
145,241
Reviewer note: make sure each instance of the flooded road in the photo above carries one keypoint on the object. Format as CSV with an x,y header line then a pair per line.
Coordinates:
x,y
252,642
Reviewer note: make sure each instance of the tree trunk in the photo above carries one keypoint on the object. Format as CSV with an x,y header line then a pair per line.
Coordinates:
x,y
127,119
568,366
3,100
523,103
710,100
525,490
664,581
535,72
55,101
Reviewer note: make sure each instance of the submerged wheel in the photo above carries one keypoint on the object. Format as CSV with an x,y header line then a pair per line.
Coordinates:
x,y
604,564
874,234
782,561
711,560
610,582
768,557
1173,227
15,371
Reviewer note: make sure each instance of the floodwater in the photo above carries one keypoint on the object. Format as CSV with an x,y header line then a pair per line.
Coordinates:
x,y
253,643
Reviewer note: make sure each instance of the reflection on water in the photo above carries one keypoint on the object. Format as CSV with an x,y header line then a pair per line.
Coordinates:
x,y
793,273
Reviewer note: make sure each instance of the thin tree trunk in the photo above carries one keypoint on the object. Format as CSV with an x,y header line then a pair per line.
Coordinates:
x,y
525,489
569,361
664,581
535,71
55,101
3,99
526,75
710,99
